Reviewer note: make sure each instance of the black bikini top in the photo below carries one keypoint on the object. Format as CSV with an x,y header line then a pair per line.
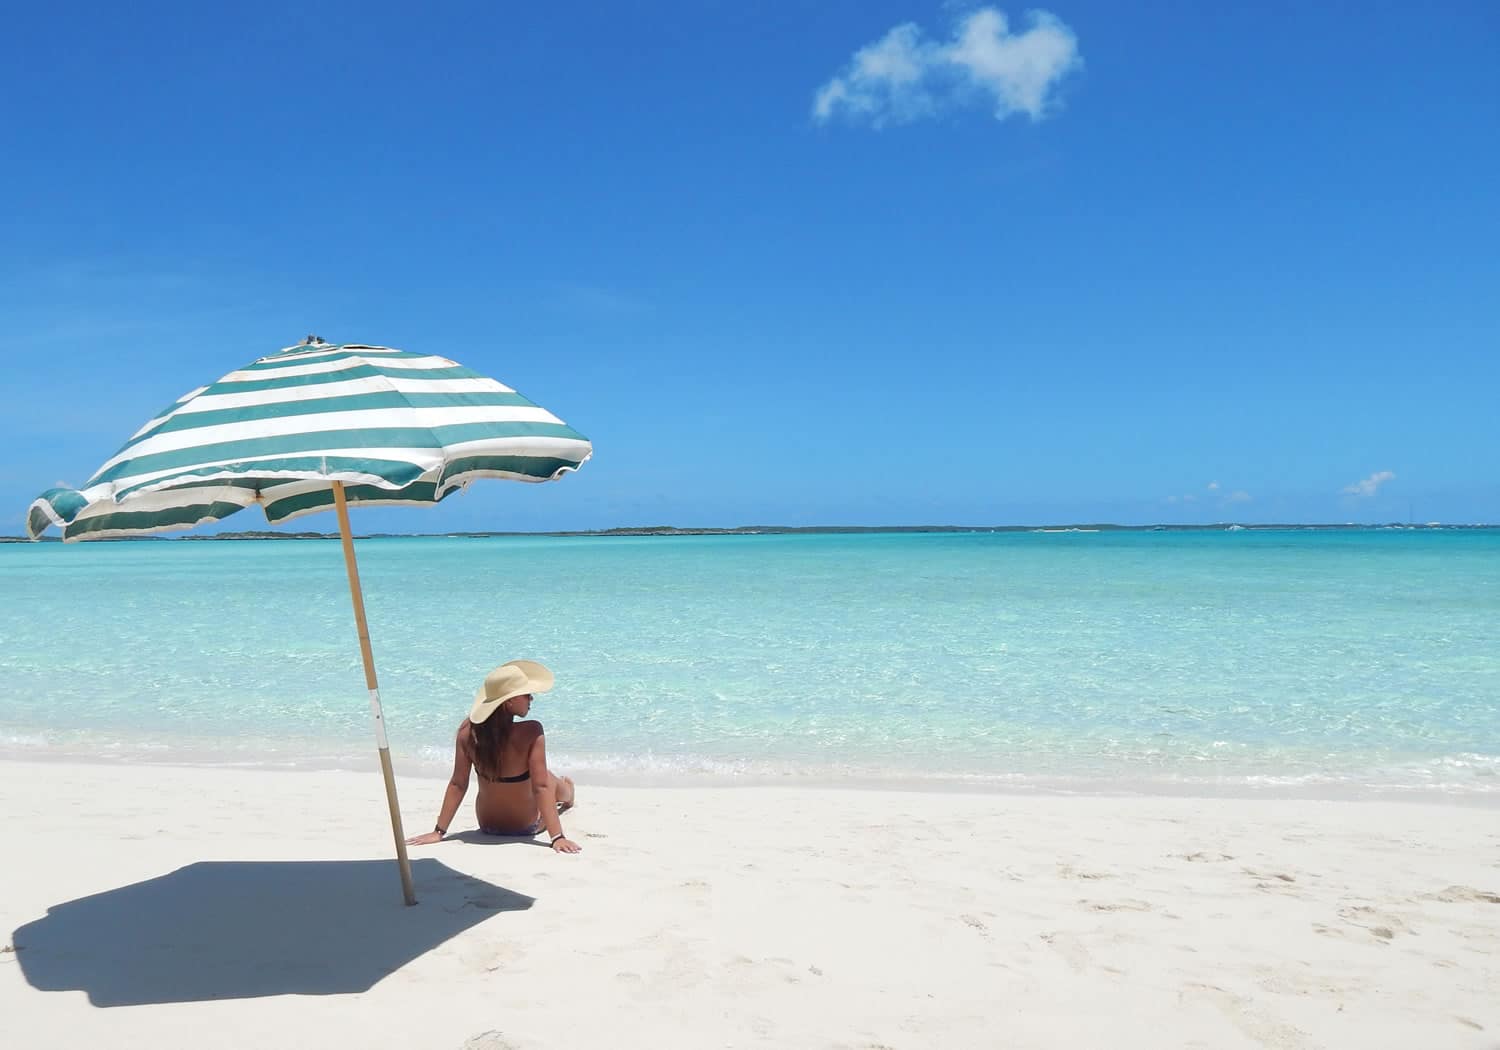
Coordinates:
x,y
505,780
517,779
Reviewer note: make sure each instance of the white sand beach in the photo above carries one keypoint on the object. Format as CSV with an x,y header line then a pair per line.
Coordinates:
x,y
166,906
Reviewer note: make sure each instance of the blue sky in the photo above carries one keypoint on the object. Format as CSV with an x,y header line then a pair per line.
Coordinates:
x,y
1135,263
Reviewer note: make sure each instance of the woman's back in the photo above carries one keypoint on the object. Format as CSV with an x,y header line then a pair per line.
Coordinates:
x,y
506,800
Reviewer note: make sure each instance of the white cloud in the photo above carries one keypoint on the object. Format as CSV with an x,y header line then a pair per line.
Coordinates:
x,y
1213,486
1238,496
1370,485
903,77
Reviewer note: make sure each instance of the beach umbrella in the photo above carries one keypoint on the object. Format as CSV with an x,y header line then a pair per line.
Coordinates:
x,y
318,426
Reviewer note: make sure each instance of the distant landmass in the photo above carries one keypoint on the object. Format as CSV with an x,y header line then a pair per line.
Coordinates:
x,y
784,530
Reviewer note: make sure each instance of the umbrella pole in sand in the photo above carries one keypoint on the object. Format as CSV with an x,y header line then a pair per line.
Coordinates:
x,y
357,596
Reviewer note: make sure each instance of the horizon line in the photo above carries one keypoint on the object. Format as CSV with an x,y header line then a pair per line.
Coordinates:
x,y
716,530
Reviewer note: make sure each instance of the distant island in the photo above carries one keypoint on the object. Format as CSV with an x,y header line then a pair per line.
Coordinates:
x,y
787,530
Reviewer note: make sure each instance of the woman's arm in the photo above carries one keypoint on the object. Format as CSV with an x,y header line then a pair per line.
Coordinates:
x,y
545,789
453,797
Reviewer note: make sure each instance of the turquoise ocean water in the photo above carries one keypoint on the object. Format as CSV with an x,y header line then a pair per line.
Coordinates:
x,y
1253,661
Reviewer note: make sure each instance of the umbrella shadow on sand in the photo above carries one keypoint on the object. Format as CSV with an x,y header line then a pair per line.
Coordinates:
x,y
244,929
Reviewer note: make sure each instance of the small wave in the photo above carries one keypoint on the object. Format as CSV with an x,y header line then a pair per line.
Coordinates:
x,y
1460,775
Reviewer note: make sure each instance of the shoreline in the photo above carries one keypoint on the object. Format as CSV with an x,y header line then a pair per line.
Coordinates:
x,y
253,904
1018,785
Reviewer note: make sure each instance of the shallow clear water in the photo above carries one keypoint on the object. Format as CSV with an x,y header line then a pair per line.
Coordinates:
x,y
1253,659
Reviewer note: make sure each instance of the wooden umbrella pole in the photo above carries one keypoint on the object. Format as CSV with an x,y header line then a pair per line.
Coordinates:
x,y
342,505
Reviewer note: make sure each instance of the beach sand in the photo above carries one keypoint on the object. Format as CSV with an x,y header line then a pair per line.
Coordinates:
x,y
167,906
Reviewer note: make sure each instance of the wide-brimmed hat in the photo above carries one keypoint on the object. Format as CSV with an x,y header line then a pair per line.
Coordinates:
x,y
509,679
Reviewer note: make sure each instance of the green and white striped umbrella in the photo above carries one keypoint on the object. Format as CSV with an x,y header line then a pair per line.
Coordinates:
x,y
315,426
393,427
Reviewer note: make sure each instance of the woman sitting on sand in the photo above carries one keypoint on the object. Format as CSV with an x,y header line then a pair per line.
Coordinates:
x,y
490,741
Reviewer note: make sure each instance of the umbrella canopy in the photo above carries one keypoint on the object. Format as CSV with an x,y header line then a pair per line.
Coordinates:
x,y
393,427
315,426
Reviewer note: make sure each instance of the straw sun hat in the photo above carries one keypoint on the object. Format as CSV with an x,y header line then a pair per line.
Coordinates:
x,y
509,679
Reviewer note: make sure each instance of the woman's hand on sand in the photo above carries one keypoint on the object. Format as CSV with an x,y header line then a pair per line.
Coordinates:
x,y
563,844
424,840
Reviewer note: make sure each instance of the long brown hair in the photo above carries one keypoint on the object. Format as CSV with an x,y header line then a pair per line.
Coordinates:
x,y
487,742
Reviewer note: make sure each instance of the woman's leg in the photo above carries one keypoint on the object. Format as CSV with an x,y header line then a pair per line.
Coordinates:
x,y
559,793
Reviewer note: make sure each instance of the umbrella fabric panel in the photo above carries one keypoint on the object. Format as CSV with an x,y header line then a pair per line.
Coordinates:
x,y
107,519
395,427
